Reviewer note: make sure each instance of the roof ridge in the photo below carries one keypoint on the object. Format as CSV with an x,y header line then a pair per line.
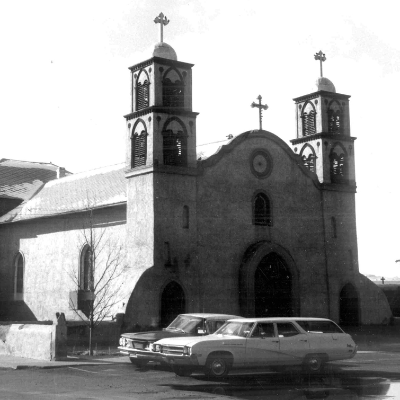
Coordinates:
x,y
85,174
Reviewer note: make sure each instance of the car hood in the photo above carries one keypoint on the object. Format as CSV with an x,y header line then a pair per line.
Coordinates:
x,y
153,335
191,340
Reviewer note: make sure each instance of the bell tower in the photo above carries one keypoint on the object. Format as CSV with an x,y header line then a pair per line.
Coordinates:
x,y
161,127
323,132
161,173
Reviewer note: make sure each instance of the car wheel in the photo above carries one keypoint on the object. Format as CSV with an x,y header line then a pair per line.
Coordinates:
x,y
182,371
314,363
217,366
138,363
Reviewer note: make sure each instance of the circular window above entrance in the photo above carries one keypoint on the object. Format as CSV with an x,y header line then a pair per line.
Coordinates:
x,y
261,163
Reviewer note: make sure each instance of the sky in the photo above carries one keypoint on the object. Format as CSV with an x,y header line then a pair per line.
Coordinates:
x,y
65,83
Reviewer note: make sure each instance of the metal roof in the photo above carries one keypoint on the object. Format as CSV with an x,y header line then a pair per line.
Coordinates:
x,y
74,193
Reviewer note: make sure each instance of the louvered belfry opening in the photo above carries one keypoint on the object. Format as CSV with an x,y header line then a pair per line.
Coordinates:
x,y
338,167
139,149
309,162
173,93
262,210
142,95
334,121
309,127
174,147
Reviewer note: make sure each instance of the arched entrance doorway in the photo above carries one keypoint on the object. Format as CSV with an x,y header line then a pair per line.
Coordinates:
x,y
268,282
348,305
272,288
172,303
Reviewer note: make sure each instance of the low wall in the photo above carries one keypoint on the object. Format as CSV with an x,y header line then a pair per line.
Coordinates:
x,y
39,340
105,335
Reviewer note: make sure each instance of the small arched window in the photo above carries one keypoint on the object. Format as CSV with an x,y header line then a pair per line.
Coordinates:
x,y
262,210
185,217
19,277
86,269
308,118
142,91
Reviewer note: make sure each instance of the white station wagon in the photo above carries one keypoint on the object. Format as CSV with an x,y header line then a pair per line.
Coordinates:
x,y
259,342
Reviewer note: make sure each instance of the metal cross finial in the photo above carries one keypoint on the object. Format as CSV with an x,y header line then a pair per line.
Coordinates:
x,y
321,57
260,108
162,20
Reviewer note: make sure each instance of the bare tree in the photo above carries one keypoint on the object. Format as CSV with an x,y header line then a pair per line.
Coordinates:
x,y
98,278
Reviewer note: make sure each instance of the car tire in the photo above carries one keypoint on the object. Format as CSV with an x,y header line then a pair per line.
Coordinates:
x,y
217,366
314,363
181,370
138,363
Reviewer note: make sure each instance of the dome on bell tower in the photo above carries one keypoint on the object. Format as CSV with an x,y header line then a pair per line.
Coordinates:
x,y
164,50
325,84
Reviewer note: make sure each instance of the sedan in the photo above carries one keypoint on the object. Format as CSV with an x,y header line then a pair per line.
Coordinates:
x,y
138,345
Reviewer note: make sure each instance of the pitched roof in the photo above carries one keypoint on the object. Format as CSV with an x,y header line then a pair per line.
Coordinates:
x,y
21,179
78,192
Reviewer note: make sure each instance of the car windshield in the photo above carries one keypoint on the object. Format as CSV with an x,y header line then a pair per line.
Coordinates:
x,y
241,329
319,326
186,323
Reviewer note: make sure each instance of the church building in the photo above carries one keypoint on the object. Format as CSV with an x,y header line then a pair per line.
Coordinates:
x,y
260,228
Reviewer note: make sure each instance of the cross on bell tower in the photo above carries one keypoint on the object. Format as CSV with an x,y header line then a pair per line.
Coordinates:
x,y
162,20
260,108
321,57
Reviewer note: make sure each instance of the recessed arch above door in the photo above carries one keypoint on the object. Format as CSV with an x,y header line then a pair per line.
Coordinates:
x,y
268,282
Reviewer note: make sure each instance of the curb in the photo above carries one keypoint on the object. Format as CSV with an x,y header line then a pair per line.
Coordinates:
x,y
20,367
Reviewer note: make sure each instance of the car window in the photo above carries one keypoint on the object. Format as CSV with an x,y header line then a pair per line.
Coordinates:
x,y
263,330
241,329
186,323
320,326
213,325
286,329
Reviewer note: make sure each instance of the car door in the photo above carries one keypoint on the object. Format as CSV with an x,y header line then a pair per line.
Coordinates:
x,y
262,347
293,344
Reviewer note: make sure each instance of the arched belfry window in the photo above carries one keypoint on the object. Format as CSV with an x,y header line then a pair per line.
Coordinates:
x,y
173,89
86,269
142,90
175,143
262,210
308,157
139,145
338,164
19,268
308,119
334,118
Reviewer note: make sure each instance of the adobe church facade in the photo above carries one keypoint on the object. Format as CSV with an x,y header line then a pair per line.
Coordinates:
x,y
260,228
